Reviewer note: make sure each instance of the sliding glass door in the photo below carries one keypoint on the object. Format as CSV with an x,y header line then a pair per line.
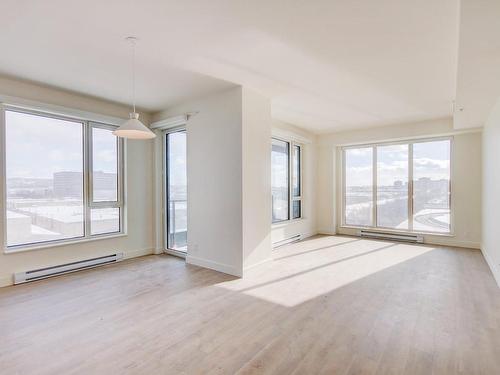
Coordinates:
x,y
176,191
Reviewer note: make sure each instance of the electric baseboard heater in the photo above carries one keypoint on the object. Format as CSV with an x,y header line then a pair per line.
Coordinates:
x,y
412,238
61,269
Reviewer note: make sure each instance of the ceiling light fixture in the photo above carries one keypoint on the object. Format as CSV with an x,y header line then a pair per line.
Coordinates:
x,y
133,128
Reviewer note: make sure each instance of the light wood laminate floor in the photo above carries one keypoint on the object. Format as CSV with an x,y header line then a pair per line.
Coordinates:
x,y
327,305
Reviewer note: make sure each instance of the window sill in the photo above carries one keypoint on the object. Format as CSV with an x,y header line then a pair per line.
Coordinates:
x,y
281,224
21,249
395,231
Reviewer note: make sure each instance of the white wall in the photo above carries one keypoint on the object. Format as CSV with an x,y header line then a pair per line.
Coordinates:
x,y
256,178
228,143
139,240
466,177
491,189
214,180
306,225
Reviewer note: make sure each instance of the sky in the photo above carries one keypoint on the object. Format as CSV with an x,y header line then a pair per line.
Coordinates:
x,y
177,158
37,147
279,163
430,159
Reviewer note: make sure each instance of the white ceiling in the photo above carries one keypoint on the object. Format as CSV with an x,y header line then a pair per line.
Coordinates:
x,y
478,78
327,65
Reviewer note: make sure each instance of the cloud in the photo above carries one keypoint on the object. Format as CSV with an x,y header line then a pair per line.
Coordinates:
x,y
427,164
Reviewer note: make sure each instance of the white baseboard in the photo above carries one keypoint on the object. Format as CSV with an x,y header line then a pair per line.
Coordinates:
x,y
246,268
429,239
495,269
138,253
327,232
8,280
308,234
449,241
221,267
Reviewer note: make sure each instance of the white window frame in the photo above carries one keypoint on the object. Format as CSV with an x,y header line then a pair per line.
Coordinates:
x,y
298,198
291,175
165,197
410,143
87,126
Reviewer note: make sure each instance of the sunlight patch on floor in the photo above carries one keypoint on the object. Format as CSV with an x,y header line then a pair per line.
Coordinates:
x,y
304,276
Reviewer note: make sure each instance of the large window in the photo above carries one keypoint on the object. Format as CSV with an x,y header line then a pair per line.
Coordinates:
x,y
63,179
286,180
408,181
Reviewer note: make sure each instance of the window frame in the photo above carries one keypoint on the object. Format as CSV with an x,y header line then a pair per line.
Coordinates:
x,y
297,198
344,179
291,174
87,199
410,143
165,194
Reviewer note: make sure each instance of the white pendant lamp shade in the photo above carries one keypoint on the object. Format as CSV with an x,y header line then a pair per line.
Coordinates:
x,y
133,128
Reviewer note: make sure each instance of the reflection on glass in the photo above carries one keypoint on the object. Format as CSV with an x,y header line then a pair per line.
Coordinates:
x,y
104,165
359,186
176,191
104,220
431,186
297,209
280,152
392,186
44,172
296,171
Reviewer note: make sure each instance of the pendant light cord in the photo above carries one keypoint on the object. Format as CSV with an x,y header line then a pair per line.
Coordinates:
x,y
133,73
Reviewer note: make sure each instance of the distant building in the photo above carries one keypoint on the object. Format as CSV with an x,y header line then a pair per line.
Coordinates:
x,y
104,181
105,185
68,185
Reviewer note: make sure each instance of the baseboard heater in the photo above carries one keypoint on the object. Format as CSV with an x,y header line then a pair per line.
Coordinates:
x,y
413,238
286,241
43,273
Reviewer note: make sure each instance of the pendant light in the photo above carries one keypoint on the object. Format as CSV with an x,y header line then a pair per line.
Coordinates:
x,y
133,128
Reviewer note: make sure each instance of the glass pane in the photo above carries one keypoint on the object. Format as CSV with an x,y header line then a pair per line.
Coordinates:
x,y
296,208
279,179
177,191
359,186
104,165
44,167
104,220
431,186
392,186
296,171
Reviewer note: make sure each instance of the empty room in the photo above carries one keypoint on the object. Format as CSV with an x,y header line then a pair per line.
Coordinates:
x,y
249,187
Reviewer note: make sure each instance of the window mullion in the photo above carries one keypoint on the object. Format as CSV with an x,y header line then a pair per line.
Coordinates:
x,y
290,179
86,178
410,187
344,188
374,186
